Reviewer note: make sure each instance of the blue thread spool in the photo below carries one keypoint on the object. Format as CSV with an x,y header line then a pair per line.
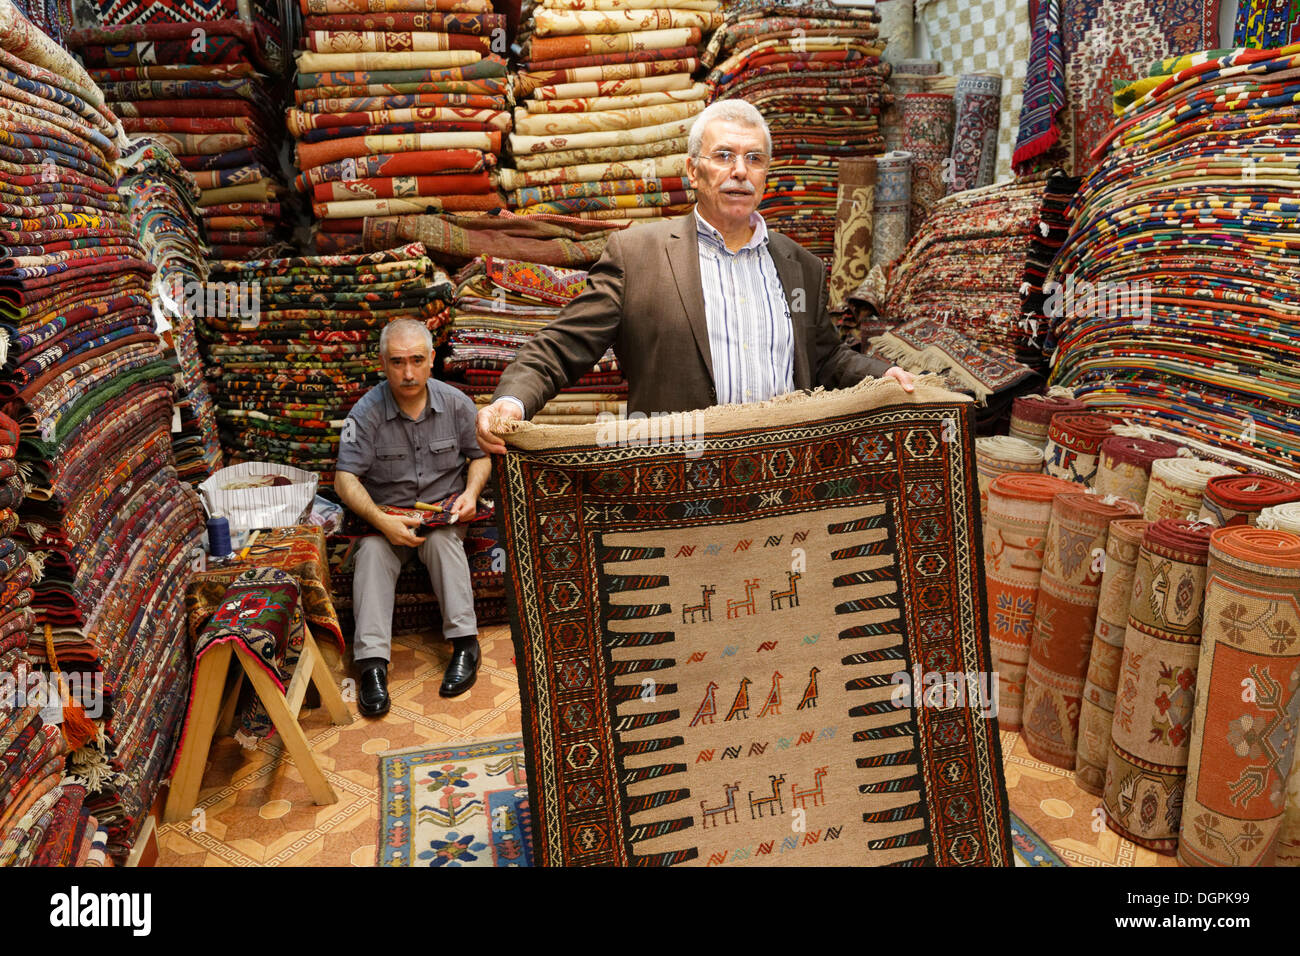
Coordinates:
x,y
219,536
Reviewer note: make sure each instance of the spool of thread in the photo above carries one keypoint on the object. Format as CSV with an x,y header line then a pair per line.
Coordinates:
x,y
219,536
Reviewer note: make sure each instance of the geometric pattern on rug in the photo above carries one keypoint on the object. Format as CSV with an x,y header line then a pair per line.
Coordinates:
x,y
706,642
456,805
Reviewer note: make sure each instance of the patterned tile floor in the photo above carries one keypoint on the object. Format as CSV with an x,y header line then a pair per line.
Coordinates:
x,y
255,809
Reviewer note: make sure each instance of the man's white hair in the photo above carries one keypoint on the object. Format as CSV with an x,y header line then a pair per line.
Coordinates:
x,y
727,111
406,329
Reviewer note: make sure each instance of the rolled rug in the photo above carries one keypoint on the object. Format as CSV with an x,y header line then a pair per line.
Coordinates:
x,y
1097,710
1074,445
927,134
999,454
1124,468
1177,487
854,215
1065,615
1238,499
915,66
893,207
1280,518
1151,731
1242,751
896,26
978,104
1031,415
1020,507
891,117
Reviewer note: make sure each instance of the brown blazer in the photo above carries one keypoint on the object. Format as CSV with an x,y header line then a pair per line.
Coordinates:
x,y
645,298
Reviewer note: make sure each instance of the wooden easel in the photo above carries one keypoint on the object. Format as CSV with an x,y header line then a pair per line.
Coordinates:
x,y
212,712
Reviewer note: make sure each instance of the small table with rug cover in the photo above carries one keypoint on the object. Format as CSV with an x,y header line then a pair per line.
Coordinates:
x,y
255,608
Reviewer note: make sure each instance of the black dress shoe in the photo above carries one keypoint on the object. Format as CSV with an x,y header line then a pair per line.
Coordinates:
x,y
461,672
372,692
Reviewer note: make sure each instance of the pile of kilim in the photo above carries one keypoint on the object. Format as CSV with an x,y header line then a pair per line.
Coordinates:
x,y
814,71
161,196
604,102
966,265
398,112
1182,256
108,529
208,92
298,344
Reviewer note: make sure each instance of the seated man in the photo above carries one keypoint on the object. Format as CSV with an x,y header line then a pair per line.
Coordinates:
x,y
407,441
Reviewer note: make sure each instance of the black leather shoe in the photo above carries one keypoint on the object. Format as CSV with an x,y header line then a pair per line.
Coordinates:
x,y
372,691
461,672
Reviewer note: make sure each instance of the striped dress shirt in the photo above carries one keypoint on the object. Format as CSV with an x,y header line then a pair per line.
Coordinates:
x,y
751,337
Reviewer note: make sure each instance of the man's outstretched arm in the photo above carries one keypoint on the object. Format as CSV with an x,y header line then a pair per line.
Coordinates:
x,y
562,352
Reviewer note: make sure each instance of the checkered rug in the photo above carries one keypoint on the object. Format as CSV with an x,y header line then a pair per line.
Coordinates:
x,y
971,36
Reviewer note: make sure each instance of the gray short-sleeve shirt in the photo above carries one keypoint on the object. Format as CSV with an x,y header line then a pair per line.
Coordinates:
x,y
401,460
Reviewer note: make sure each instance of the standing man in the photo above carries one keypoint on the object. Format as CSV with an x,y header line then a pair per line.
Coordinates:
x,y
708,309
408,440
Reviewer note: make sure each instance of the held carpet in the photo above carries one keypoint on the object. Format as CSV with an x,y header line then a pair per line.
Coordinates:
x,y
716,636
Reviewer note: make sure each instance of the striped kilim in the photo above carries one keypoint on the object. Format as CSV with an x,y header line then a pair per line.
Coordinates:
x,y
774,612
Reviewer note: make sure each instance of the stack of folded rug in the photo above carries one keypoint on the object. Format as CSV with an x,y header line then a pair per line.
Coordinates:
x,y
500,305
108,527
287,372
604,102
400,110
1183,314
966,265
32,750
161,196
207,90
814,70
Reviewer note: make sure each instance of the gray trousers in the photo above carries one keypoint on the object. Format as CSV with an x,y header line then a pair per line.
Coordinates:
x,y
374,583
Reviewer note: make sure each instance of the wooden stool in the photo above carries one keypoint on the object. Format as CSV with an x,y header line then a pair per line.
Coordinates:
x,y
210,711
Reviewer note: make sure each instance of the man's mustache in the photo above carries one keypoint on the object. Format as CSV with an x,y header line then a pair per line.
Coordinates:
x,y
743,185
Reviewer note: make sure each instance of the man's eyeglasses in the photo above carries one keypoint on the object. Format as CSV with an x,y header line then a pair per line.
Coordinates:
x,y
727,159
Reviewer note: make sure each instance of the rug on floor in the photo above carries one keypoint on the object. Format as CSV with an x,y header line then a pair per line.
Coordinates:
x,y
460,804
717,634
1031,849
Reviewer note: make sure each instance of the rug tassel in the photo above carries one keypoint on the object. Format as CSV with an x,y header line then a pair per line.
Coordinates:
x,y
78,730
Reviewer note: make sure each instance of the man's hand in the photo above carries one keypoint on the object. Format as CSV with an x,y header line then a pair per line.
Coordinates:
x,y
465,507
498,411
397,529
902,377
